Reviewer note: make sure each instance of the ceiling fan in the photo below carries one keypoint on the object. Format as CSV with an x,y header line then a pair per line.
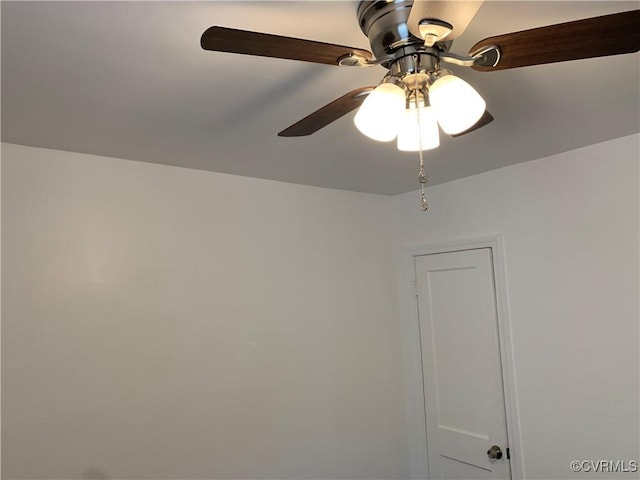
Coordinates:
x,y
411,39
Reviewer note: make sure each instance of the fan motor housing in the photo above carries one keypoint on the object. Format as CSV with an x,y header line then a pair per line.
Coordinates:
x,y
385,25
384,22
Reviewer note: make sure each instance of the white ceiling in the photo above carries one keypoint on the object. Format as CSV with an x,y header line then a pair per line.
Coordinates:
x,y
129,80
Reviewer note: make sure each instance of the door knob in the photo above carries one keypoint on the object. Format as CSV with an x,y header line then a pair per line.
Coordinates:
x,y
494,453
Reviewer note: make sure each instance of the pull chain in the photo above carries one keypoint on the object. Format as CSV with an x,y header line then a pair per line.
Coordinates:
x,y
423,179
422,176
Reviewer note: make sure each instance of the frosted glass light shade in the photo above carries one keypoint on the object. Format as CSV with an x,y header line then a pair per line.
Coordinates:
x,y
378,116
413,135
457,105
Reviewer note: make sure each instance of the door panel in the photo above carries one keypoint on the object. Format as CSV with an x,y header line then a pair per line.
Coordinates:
x,y
464,396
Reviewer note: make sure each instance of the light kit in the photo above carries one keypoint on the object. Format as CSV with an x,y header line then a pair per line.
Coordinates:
x,y
391,111
416,97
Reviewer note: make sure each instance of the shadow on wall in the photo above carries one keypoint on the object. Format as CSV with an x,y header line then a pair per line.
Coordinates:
x,y
93,473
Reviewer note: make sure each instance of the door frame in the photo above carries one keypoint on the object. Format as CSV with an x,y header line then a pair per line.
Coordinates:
x,y
412,349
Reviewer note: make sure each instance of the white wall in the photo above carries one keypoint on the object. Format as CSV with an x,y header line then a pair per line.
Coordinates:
x,y
570,224
161,322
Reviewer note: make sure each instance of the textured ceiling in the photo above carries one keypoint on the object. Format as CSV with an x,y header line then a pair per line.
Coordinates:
x,y
129,80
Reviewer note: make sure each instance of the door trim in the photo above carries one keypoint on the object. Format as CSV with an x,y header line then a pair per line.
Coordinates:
x,y
416,419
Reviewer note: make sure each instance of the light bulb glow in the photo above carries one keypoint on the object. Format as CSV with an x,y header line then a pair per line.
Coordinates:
x,y
457,105
378,116
413,135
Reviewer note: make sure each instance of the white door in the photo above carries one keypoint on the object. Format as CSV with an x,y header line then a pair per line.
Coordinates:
x,y
462,374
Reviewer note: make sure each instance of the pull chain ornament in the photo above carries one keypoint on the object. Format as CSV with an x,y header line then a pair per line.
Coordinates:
x,y
423,179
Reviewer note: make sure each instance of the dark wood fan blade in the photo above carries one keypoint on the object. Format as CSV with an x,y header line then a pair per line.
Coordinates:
x,y
222,39
592,37
484,120
327,114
